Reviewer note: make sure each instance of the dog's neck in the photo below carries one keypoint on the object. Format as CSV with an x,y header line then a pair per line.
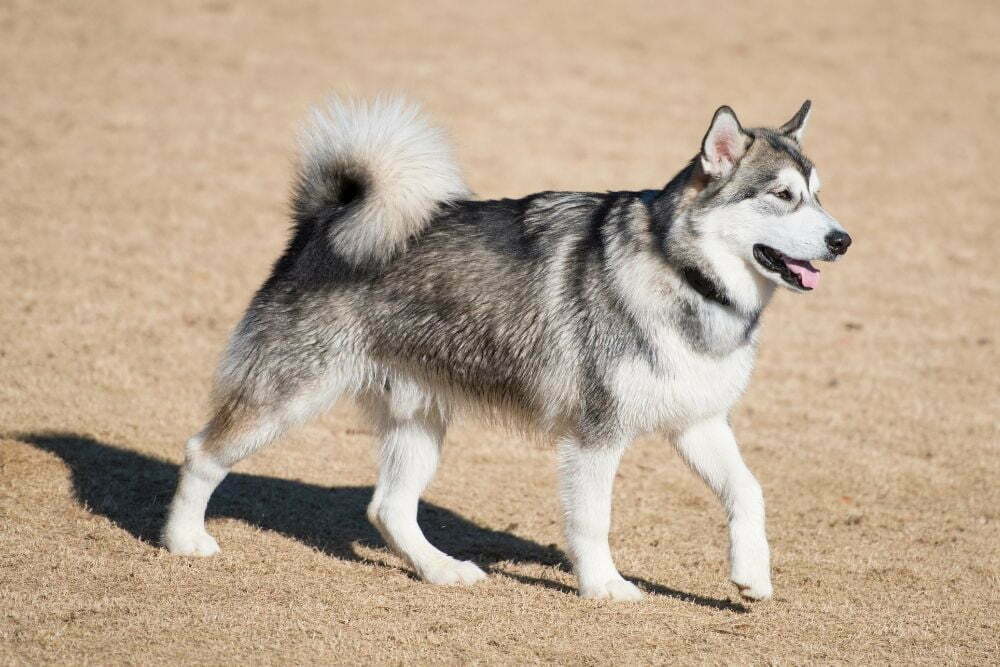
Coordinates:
x,y
729,293
731,297
708,288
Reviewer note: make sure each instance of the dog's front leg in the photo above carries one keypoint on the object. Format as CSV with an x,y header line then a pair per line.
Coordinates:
x,y
587,474
711,450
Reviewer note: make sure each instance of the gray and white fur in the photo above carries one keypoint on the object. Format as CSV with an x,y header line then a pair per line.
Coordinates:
x,y
591,318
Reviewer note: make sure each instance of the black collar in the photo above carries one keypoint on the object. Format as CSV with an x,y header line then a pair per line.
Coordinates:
x,y
705,286
692,275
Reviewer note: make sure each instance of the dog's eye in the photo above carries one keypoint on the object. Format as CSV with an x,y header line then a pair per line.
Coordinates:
x,y
784,194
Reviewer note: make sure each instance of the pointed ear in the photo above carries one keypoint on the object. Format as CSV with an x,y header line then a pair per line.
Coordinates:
x,y
724,144
796,127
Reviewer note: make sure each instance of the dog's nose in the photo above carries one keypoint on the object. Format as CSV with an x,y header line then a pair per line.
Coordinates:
x,y
838,242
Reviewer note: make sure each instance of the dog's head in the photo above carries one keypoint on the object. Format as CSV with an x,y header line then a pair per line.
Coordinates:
x,y
758,199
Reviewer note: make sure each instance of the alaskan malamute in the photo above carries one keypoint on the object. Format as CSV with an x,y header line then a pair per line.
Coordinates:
x,y
588,317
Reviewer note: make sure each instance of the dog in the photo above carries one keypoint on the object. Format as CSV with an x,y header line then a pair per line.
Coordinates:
x,y
590,318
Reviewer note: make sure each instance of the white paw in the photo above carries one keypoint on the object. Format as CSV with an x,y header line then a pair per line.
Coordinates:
x,y
750,569
614,589
189,542
447,571
753,588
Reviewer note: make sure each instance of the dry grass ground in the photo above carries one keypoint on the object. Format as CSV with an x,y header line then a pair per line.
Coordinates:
x,y
146,155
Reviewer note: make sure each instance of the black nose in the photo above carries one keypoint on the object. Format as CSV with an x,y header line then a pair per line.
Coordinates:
x,y
838,242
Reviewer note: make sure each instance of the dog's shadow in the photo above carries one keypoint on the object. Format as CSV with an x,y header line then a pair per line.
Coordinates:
x,y
133,491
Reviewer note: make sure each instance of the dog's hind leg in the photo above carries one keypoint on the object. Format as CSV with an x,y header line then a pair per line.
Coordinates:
x,y
711,450
587,474
237,430
209,455
411,427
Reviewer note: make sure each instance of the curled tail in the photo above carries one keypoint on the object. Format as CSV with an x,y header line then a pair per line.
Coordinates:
x,y
375,173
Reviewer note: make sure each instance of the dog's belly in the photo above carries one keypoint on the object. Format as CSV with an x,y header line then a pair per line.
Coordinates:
x,y
683,388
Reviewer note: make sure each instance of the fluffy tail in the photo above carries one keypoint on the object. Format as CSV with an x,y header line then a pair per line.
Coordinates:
x,y
376,173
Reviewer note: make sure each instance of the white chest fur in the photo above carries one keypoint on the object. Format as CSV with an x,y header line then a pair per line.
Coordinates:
x,y
682,388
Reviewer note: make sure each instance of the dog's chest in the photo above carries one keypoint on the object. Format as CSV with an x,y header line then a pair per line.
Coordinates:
x,y
680,386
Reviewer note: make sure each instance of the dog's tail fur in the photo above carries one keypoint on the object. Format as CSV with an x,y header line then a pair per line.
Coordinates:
x,y
373,174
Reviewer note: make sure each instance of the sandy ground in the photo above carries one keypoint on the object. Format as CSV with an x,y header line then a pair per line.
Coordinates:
x,y
146,157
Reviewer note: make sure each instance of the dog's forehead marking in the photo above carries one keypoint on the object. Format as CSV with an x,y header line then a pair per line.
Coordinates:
x,y
785,149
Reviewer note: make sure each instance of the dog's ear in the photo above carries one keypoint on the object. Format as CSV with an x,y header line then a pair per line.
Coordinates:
x,y
796,127
724,144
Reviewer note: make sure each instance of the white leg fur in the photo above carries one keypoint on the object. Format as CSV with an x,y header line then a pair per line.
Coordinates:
x,y
184,533
206,466
411,433
586,478
711,450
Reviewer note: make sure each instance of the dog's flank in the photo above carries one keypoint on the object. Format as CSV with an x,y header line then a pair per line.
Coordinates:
x,y
589,317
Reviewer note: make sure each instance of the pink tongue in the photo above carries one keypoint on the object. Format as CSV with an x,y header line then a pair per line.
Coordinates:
x,y
807,273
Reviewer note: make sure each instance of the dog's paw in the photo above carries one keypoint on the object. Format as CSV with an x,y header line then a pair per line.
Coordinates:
x,y
448,571
750,571
614,589
753,589
195,542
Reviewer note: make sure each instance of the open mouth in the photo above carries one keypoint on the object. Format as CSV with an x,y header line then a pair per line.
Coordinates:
x,y
796,272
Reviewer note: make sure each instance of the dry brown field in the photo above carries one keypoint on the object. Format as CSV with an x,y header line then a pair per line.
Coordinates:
x,y
146,159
